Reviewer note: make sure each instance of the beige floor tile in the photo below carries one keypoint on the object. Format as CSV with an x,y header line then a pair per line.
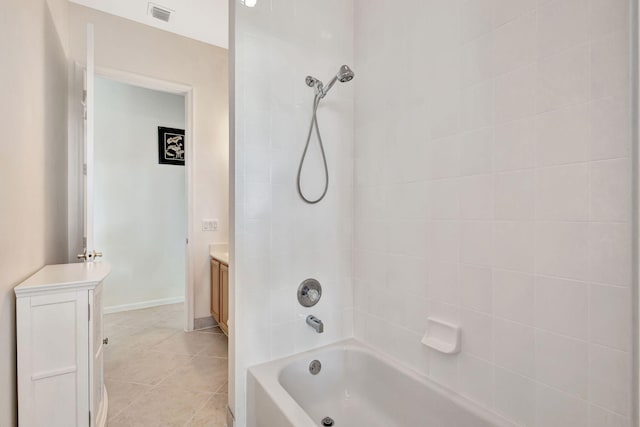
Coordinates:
x,y
213,330
213,414
224,388
216,346
122,394
173,321
189,343
158,375
141,366
206,374
162,406
146,338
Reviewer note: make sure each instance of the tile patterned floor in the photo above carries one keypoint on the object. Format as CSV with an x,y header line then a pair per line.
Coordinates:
x,y
158,375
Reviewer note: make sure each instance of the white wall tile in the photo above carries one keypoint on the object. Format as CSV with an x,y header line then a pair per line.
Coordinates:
x,y
609,253
562,363
606,16
475,288
444,157
514,195
515,94
515,43
561,25
608,380
443,282
476,197
562,249
609,65
557,409
478,60
609,119
562,136
443,369
445,102
610,316
478,338
564,79
444,241
610,193
477,18
599,417
562,193
515,397
405,236
507,163
408,272
562,306
513,246
445,200
475,114
477,147
476,379
506,10
514,146
514,347
476,242
513,296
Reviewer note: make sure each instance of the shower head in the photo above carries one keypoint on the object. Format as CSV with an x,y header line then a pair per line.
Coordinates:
x,y
345,74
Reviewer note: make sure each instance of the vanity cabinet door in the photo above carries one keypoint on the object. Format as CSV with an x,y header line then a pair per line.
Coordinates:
x,y
224,295
215,290
97,362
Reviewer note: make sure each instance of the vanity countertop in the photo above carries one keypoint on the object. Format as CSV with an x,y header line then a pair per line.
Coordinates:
x,y
62,276
219,251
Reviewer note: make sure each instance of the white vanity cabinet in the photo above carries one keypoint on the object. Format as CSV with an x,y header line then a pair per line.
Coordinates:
x,y
60,347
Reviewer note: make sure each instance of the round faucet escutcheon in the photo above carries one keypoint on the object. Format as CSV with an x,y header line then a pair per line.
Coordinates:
x,y
327,422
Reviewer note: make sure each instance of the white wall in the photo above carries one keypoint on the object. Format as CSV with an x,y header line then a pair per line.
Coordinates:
x,y
33,82
493,191
140,205
280,240
132,47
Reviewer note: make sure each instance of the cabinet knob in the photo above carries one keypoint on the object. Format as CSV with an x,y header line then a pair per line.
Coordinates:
x,y
105,341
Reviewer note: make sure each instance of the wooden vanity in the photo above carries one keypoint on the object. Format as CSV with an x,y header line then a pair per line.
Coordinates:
x,y
220,289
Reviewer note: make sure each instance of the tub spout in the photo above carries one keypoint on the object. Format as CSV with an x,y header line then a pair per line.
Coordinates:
x,y
315,323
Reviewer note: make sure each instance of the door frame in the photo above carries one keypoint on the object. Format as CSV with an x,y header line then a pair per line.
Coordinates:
x,y
190,145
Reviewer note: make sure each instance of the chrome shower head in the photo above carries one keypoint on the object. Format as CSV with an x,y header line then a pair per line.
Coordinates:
x,y
345,74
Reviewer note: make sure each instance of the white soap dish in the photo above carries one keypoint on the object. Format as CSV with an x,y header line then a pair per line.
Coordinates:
x,y
442,336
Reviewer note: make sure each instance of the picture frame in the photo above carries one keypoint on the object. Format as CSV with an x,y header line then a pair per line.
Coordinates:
x,y
171,146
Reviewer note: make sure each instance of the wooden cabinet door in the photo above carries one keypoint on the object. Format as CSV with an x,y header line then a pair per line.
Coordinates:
x,y
215,290
224,296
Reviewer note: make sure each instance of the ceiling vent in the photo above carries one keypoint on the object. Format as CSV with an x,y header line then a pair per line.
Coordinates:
x,y
159,12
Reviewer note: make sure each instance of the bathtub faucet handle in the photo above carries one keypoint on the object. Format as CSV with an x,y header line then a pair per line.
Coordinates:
x,y
315,323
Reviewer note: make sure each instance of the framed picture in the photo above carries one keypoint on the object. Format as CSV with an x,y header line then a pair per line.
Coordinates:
x,y
171,146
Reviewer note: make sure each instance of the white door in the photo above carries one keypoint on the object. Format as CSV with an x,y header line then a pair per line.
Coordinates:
x,y
89,254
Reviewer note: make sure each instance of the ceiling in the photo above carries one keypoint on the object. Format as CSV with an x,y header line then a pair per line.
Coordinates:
x,y
203,20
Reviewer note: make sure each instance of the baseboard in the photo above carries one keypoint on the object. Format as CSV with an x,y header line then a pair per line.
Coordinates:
x,y
231,420
143,304
204,322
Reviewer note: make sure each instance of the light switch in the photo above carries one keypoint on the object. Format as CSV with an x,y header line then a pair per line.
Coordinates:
x,y
209,225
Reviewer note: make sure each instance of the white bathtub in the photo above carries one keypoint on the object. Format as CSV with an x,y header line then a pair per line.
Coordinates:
x,y
356,387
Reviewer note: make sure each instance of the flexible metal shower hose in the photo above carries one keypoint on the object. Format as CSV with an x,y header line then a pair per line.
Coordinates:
x,y
314,123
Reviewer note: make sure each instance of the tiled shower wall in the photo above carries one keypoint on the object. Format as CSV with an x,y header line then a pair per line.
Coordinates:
x,y
280,240
492,190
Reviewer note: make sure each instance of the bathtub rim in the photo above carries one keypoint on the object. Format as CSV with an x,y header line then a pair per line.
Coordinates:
x,y
268,376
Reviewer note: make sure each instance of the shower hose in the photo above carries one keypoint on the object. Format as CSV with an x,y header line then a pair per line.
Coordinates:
x,y
314,124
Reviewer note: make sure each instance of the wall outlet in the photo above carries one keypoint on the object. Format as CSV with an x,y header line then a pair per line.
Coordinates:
x,y
209,225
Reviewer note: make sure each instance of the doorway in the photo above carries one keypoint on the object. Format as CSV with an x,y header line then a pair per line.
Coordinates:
x,y
140,196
